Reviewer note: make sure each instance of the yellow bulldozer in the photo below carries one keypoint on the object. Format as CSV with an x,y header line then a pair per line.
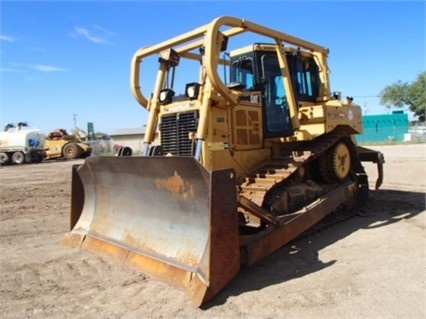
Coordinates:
x,y
256,151
60,144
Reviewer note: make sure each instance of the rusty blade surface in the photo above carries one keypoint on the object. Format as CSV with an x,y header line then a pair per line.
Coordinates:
x,y
167,216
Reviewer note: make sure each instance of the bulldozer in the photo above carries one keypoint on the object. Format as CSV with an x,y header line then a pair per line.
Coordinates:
x,y
254,152
60,144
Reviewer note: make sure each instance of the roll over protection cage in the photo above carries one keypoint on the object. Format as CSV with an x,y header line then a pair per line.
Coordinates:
x,y
210,38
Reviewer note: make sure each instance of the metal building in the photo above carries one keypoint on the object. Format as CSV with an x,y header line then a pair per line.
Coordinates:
x,y
385,127
131,137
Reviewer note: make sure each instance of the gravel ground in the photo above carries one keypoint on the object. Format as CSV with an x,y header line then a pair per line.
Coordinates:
x,y
366,267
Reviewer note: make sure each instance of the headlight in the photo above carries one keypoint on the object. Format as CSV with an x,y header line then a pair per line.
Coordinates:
x,y
166,96
192,90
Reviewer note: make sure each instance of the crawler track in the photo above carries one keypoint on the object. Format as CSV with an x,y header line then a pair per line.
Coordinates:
x,y
293,162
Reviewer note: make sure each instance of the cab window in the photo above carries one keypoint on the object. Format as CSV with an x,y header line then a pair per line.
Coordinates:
x,y
242,72
277,118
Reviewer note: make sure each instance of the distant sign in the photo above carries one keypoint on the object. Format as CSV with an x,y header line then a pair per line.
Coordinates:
x,y
90,130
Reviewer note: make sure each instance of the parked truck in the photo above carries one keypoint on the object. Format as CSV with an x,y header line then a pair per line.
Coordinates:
x,y
21,144
256,151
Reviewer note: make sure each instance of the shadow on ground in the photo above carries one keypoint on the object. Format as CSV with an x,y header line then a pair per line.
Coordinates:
x,y
300,257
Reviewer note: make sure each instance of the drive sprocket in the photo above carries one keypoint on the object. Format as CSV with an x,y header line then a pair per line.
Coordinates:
x,y
335,164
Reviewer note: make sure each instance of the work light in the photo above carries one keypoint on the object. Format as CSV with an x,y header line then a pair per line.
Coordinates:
x,y
166,96
192,90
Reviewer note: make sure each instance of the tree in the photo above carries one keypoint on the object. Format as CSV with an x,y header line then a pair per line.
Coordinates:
x,y
402,94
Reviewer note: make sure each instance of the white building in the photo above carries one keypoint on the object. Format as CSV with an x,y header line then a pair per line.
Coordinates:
x,y
131,137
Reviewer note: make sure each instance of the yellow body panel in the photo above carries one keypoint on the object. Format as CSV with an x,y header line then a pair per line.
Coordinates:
x,y
320,119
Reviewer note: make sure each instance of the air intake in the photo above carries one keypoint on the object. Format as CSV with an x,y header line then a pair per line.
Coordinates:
x,y
177,131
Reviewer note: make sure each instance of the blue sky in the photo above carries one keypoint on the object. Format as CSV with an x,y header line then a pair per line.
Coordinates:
x,y
63,58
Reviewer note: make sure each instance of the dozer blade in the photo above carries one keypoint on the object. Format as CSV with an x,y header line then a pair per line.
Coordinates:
x,y
167,216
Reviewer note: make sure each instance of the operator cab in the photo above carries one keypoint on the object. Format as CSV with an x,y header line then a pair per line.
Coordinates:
x,y
256,68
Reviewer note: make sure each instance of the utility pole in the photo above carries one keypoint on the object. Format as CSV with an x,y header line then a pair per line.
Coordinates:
x,y
75,120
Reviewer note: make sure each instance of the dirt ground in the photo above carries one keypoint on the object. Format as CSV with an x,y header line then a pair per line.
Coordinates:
x,y
366,267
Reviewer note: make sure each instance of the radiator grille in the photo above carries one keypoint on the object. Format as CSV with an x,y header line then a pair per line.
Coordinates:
x,y
176,130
